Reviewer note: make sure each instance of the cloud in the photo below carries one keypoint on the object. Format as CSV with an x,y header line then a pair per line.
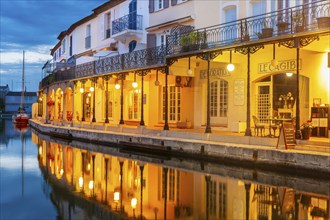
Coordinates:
x,y
15,57
33,26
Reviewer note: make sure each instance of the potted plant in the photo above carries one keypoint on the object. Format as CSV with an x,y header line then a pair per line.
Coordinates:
x,y
265,31
323,22
306,129
282,26
189,42
298,19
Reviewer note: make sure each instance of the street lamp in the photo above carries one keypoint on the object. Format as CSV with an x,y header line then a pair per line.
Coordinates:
x,y
134,84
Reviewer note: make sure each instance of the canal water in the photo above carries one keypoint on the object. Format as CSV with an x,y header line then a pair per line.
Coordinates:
x,y
43,177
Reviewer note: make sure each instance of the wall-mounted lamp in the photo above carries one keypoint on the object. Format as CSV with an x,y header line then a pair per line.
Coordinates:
x,y
230,66
289,74
189,71
81,182
134,84
91,184
157,82
274,61
117,85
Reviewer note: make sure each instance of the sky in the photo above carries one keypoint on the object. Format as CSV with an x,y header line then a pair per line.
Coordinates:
x,y
33,26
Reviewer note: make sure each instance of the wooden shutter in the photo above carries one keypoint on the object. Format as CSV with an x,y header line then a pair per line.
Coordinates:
x,y
174,2
166,3
151,40
151,6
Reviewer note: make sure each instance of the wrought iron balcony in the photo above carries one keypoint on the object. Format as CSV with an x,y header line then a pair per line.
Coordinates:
x,y
139,59
126,23
303,18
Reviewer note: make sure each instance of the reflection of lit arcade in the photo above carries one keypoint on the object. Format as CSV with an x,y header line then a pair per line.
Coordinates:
x,y
119,186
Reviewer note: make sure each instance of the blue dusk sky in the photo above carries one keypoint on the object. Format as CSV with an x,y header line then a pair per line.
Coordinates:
x,y
33,26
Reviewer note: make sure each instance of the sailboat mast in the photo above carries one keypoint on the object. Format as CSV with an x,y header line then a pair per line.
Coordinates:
x,y
22,96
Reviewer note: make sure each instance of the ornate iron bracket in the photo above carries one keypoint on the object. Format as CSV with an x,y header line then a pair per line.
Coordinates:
x,y
143,72
250,49
107,77
209,55
121,76
162,69
299,42
170,61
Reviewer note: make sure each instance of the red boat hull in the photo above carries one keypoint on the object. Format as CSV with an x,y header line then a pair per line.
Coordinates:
x,y
21,119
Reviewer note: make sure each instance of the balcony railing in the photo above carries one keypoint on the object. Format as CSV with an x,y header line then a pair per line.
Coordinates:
x,y
63,72
127,22
305,18
283,22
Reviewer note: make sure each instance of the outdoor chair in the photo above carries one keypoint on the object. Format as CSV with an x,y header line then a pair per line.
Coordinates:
x,y
258,126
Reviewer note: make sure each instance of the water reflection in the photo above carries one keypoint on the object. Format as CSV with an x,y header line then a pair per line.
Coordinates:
x,y
89,182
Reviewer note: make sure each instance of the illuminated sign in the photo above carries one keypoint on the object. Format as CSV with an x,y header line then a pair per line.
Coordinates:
x,y
282,66
214,73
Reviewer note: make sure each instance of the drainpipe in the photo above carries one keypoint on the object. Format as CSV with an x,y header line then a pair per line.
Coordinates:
x,y
298,136
142,120
122,101
166,127
248,113
106,100
94,120
208,117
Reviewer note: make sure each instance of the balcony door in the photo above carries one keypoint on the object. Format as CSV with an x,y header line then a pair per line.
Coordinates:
x,y
132,16
230,15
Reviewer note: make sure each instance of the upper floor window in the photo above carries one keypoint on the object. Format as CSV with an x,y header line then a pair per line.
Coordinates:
x,y
88,37
70,46
132,45
159,4
107,24
181,1
258,7
162,40
63,46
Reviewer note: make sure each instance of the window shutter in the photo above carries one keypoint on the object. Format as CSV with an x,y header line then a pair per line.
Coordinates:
x,y
166,3
151,6
151,40
174,2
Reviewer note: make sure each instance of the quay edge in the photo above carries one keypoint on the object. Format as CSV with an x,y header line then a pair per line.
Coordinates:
x,y
297,162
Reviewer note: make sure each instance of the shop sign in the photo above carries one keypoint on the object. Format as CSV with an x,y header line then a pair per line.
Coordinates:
x,y
282,66
214,73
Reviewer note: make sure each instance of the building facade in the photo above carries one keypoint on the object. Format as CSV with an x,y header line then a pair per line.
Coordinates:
x,y
13,101
164,64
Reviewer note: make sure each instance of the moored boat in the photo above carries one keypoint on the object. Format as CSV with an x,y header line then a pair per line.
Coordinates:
x,y
21,117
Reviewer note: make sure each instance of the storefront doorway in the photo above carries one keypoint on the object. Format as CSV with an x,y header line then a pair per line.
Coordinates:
x,y
276,97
